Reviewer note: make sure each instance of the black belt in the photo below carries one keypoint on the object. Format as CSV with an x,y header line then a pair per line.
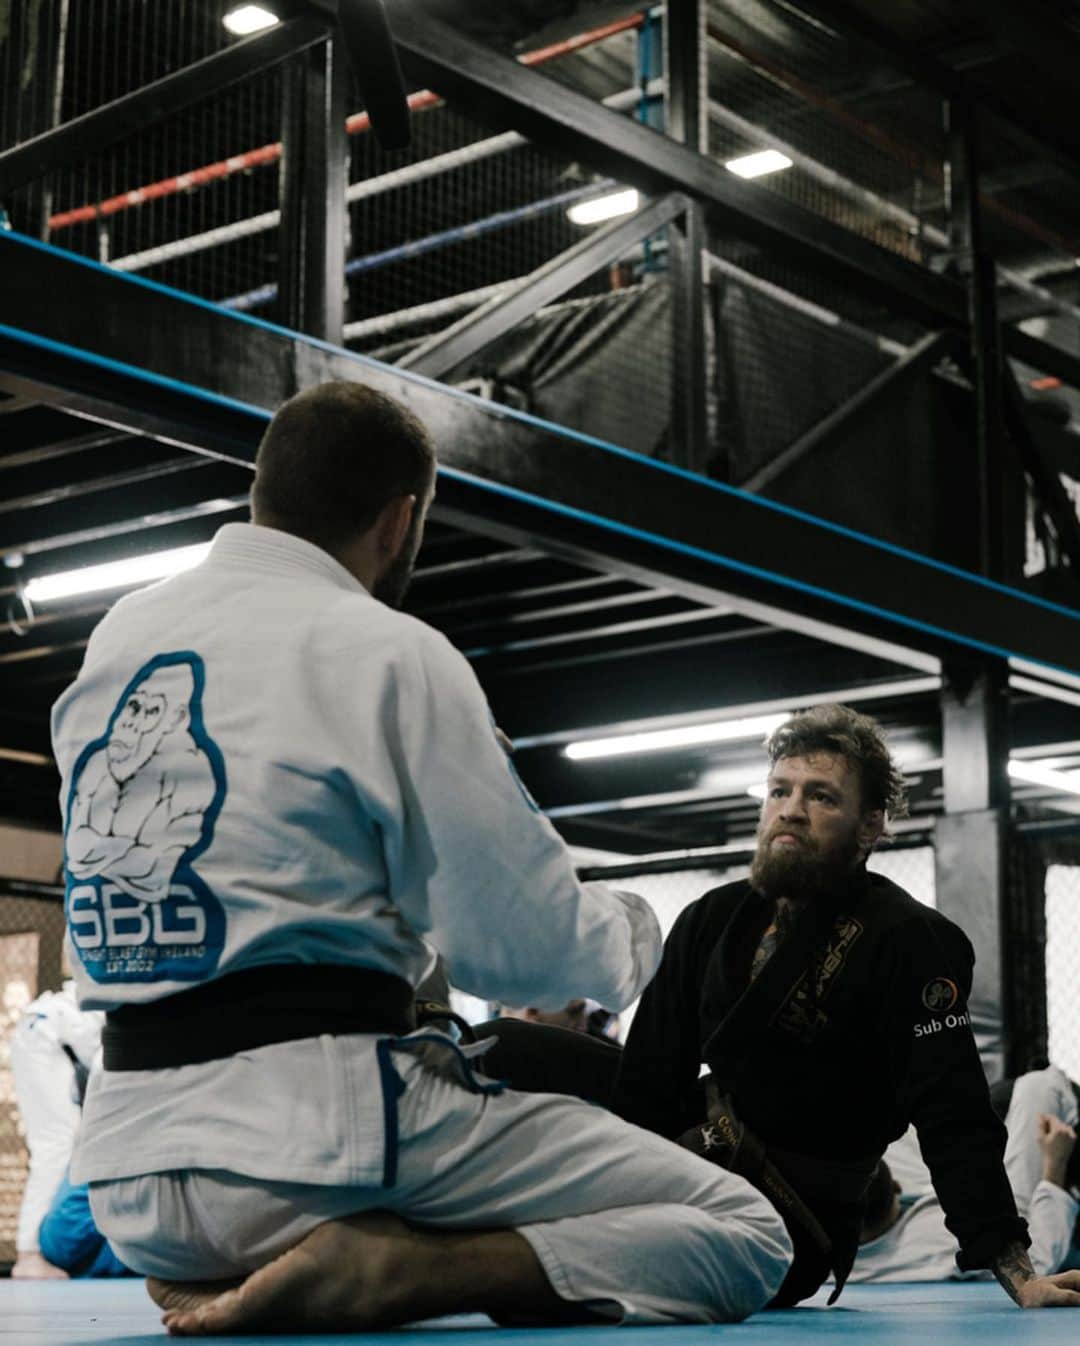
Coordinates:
x,y
726,1140
254,1008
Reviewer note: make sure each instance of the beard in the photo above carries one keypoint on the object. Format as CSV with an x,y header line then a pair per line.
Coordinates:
x,y
803,872
392,586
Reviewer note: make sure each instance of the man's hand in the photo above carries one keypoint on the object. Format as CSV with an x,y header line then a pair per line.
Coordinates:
x,y
1017,1278
90,852
31,1266
1051,1292
1056,1141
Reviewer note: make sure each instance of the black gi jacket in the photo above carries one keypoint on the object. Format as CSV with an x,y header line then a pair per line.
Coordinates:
x,y
835,1065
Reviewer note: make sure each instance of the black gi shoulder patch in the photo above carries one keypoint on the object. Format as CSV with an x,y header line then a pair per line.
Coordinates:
x,y
940,995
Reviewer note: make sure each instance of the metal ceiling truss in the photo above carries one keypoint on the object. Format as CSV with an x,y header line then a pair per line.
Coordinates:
x,y
143,358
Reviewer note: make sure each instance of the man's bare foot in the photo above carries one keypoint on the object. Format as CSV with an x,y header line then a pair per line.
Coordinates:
x,y
366,1272
186,1294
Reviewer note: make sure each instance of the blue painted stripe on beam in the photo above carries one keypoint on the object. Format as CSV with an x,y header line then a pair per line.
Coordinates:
x,y
758,572
132,371
417,247
524,418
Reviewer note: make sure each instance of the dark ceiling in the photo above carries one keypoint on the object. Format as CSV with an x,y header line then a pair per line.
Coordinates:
x,y
558,648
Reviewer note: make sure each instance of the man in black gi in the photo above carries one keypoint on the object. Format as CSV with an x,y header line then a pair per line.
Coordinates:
x,y
831,1010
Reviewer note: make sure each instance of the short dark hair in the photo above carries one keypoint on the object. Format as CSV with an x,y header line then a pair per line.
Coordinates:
x,y
333,456
858,739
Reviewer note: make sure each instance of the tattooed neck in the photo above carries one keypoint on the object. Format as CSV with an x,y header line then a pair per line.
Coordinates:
x,y
774,933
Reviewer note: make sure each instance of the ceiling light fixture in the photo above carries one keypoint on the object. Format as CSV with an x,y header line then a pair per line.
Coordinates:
x,y
686,736
1037,773
246,19
115,574
757,165
605,207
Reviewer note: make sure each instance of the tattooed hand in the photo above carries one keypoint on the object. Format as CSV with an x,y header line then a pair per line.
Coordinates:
x,y
1017,1278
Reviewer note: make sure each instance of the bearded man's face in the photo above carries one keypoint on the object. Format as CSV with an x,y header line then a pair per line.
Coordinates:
x,y
814,827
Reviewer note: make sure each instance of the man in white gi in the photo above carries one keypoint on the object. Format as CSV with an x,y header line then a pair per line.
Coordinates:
x,y
330,803
53,1048
906,1239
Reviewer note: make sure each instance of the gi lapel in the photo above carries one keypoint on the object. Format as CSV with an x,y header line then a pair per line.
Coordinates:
x,y
786,991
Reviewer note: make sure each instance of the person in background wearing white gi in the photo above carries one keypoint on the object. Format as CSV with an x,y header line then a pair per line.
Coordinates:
x,y
280,795
53,1048
905,1238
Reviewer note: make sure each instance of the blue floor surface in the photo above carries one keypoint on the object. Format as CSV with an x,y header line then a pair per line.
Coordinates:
x,y
71,1313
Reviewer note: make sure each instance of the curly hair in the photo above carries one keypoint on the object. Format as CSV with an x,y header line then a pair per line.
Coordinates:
x,y
858,739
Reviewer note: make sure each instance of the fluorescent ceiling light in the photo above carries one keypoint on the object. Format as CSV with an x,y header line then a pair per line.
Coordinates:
x,y
1046,689
602,208
245,19
1038,773
757,165
686,736
116,574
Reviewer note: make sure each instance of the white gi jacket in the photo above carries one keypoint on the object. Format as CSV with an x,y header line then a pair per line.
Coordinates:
x,y
262,764
46,1097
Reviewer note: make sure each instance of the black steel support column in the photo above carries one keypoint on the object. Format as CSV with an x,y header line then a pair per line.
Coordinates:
x,y
311,251
687,120
1025,942
976,267
971,847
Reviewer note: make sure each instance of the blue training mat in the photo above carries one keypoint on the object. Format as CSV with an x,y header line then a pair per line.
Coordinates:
x,y
71,1313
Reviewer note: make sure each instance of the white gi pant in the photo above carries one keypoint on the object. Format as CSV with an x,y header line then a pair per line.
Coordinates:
x,y
1038,1091
621,1220
1048,1091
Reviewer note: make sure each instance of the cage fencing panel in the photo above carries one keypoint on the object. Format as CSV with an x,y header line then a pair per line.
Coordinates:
x,y
911,867
31,936
1063,966
668,895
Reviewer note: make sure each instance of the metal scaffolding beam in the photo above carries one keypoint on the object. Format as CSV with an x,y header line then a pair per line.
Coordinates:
x,y
142,357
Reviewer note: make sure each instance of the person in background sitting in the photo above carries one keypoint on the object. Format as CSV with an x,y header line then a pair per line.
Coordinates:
x,y
904,1236
53,1049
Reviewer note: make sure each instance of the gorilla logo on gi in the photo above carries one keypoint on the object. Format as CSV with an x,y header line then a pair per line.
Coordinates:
x,y
144,800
